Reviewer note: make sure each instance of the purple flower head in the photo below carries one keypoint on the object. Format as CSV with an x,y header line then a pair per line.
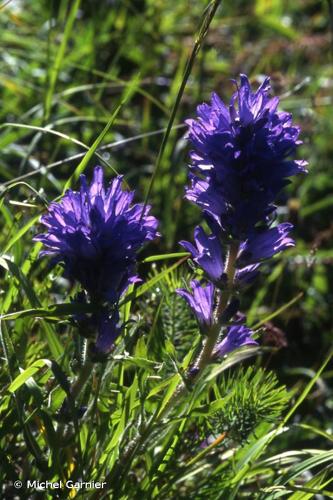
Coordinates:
x,y
96,233
264,244
237,336
207,253
201,301
243,155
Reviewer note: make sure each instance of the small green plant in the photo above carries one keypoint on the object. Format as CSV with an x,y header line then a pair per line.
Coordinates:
x,y
249,397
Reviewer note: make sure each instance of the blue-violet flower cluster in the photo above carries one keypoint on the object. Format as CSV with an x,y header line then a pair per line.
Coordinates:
x,y
96,233
243,156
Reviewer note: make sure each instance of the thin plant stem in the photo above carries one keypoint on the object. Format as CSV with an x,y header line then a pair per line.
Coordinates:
x,y
213,334
204,452
205,355
83,377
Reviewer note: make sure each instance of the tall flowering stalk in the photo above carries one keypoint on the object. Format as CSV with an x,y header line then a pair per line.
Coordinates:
x,y
96,234
242,158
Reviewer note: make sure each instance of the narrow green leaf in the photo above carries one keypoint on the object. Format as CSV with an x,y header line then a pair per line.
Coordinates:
x,y
90,153
29,372
18,235
278,311
52,312
152,282
317,206
54,70
155,258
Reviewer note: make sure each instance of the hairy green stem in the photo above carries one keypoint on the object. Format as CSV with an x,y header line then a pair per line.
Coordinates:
x,y
76,388
205,355
213,334
80,382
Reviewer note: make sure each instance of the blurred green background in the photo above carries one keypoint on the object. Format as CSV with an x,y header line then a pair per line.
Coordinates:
x,y
66,66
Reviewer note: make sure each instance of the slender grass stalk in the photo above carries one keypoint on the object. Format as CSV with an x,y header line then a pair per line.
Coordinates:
x,y
203,30
54,70
112,145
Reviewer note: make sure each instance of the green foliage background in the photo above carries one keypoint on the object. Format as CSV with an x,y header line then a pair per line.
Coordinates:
x,y
103,77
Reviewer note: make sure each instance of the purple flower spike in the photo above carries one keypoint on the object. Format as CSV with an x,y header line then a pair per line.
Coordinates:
x,y
207,254
201,302
96,233
243,156
265,244
237,336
